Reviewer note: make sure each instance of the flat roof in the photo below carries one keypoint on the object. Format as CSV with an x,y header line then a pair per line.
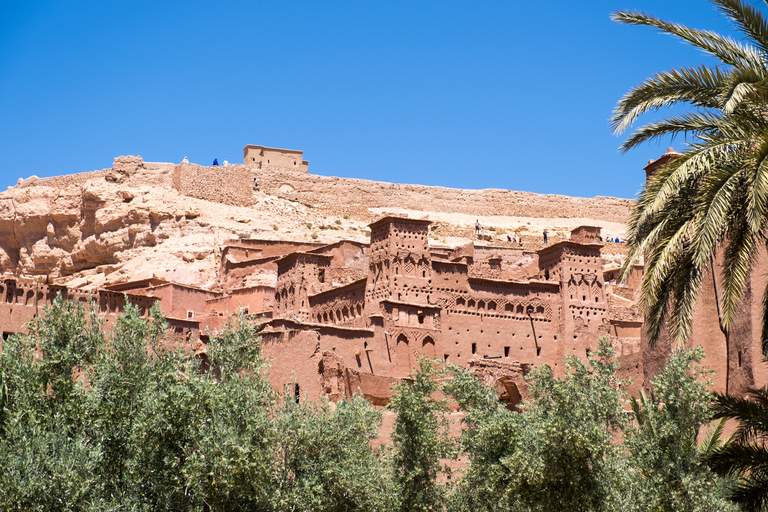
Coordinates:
x,y
312,326
563,243
411,304
330,291
274,149
302,254
393,218
527,282
138,283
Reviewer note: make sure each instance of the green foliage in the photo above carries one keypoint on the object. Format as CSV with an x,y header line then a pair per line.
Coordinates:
x,y
556,453
90,422
490,434
669,470
324,459
120,423
420,438
563,449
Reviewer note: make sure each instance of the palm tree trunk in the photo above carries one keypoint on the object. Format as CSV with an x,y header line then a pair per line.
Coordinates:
x,y
722,326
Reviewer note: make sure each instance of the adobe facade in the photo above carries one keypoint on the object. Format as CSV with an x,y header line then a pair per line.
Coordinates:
x,y
262,157
342,316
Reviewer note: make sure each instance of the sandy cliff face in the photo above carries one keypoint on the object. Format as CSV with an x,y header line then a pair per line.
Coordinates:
x,y
129,222
47,230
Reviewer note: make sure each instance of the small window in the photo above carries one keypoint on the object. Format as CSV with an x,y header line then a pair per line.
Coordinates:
x,y
474,348
421,318
190,314
321,275
506,351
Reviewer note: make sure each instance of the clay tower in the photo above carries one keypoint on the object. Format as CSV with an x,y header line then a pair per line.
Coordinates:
x,y
400,268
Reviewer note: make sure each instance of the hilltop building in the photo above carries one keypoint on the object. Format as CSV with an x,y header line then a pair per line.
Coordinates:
x,y
262,157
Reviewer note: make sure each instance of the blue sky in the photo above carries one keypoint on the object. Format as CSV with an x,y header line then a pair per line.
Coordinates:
x,y
480,94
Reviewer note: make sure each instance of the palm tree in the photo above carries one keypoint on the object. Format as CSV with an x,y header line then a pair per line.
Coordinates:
x,y
710,200
714,196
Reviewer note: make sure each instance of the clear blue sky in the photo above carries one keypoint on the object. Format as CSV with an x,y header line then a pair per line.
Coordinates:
x,y
468,94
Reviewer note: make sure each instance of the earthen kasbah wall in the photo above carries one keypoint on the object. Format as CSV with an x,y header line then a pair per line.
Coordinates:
x,y
230,184
62,181
314,190
234,185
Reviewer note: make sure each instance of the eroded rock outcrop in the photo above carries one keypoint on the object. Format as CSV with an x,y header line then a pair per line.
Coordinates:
x,y
62,230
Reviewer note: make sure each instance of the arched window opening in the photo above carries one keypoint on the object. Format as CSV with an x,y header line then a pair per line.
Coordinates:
x,y
428,347
508,393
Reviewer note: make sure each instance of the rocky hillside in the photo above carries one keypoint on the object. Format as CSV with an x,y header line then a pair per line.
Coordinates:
x,y
130,221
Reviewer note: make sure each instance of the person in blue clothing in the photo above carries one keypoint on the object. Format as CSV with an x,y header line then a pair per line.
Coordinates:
x,y
215,162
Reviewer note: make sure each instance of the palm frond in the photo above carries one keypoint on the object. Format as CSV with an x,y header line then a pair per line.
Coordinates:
x,y
726,49
716,195
751,493
699,87
690,123
739,255
713,439
736,95
735,458
751,413
757,192
750,20
687,280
